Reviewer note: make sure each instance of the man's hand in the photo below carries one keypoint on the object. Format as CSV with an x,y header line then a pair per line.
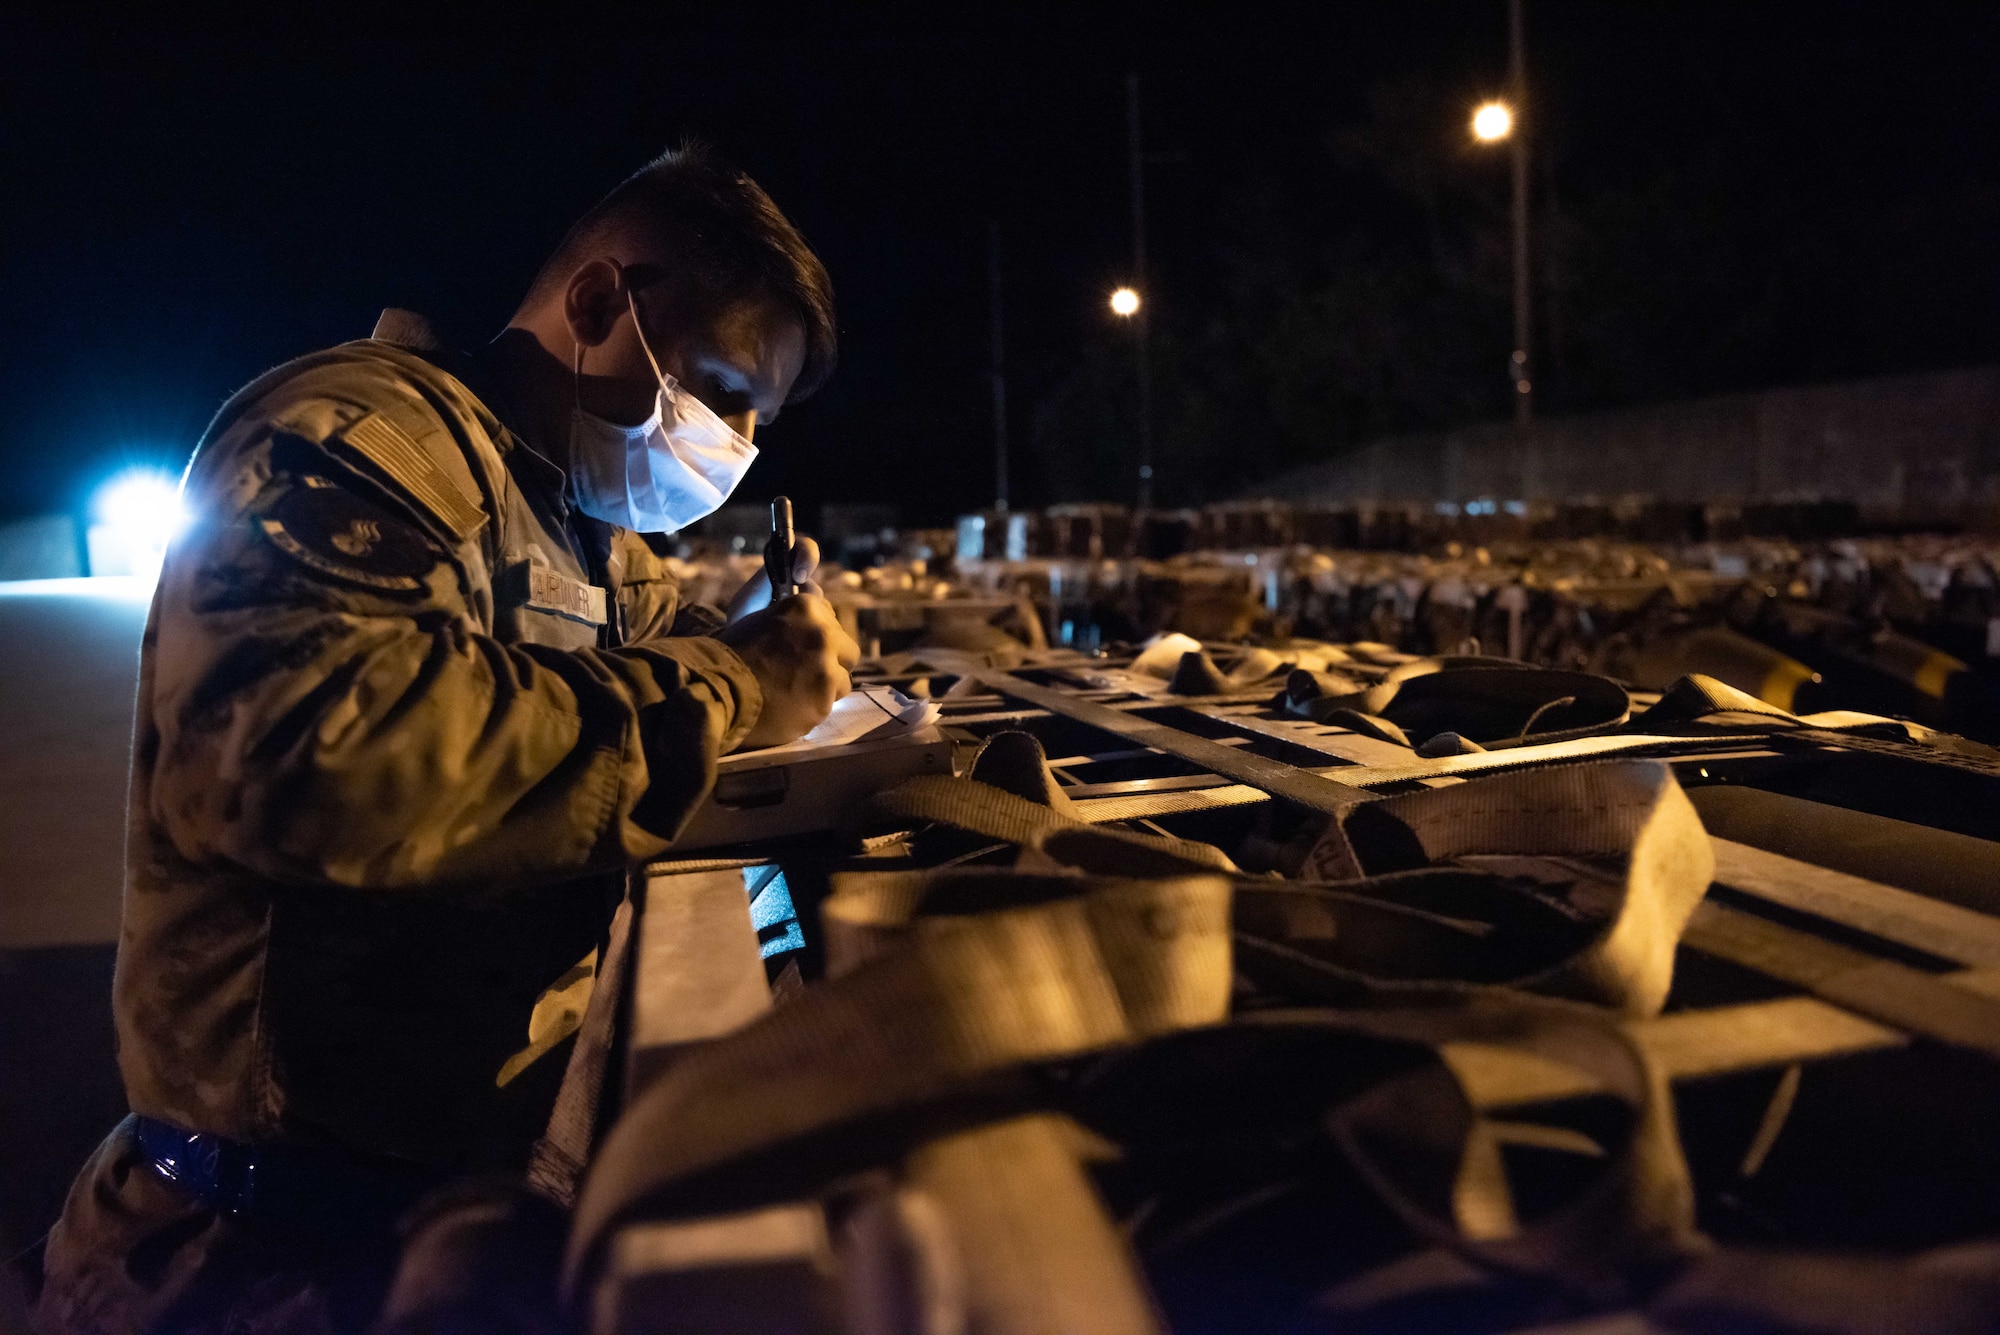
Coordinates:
x,y
755,595
801,657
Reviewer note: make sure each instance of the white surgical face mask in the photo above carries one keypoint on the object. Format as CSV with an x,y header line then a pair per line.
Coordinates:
x,y
672,469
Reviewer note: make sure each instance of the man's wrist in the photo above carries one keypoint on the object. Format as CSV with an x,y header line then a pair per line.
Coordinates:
x,y
749,694
731,679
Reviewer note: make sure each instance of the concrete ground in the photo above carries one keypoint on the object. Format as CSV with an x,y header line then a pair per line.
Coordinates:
x,y
69,656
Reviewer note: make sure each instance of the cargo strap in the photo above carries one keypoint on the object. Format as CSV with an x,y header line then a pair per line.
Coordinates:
x,y
965,996
1632,810
1622,956
1627,809
1491,701
811,1095
1280,780
1708,703
967,804
939,984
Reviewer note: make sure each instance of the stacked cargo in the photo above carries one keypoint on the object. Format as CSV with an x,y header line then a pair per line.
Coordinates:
x,y
1330,987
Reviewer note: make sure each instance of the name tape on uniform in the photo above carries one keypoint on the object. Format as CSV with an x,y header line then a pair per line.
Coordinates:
x,y
552,591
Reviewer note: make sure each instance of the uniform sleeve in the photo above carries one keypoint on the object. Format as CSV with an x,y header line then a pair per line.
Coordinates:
x,y
329,712
648,591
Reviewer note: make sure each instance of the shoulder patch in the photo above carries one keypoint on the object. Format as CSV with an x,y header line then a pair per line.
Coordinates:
x,y
337,533
391,449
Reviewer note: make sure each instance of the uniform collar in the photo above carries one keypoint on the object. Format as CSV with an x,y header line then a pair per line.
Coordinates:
x,y
407,329
414,332
417,333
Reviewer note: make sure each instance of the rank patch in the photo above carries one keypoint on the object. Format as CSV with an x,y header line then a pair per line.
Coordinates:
x,y
340,534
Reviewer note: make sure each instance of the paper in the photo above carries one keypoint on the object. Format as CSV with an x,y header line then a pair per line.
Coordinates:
x,y
868,714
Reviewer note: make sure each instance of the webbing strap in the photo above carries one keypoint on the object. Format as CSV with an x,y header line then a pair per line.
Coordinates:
x,y
1039,1252
1895,994
1696,698
1286,781
1639,1206
1698,695
1146,806
1633,810
967,804
1950,752
960,997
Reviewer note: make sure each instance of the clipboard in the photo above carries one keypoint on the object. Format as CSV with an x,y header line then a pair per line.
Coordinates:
x,y
875,738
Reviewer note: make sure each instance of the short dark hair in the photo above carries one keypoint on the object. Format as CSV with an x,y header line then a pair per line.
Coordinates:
x,y
724,238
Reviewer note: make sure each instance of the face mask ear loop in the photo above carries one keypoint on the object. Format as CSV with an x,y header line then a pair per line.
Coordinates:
x,y
576,398
632,301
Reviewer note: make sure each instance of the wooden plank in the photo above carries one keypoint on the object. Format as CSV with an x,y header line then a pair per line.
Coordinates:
x,y
1882,990
1118,702
1483,762
769,1269
1960,935
1348,747
1687,1045
1692,1044
1101,758
1132,787
1280,780
698,972
1145,806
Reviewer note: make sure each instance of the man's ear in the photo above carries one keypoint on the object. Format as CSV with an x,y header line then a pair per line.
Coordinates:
x,y
593,301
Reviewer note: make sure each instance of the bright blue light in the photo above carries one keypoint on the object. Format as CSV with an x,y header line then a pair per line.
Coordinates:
x,y
771,908
137,514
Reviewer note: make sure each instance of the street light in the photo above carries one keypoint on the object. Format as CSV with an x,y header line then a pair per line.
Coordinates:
x,y
1493,122
137,514
1125,302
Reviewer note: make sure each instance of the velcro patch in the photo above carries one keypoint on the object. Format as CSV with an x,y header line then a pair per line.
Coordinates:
x,y
552,591
337,533
391,449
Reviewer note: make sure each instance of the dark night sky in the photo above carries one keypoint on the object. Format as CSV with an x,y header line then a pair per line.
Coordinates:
x,y
189,200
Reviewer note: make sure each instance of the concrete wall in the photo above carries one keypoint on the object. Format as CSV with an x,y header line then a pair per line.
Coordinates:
x,y
1910,445
41,548
69,676
69,670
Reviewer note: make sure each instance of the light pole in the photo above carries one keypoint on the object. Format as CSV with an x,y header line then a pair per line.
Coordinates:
x,y
1136,311
1127,305
1492,123
998,374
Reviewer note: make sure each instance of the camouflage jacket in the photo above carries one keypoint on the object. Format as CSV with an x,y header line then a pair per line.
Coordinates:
x,y
404,718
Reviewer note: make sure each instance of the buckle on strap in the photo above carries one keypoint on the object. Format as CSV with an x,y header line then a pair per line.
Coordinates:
x,y
217,1172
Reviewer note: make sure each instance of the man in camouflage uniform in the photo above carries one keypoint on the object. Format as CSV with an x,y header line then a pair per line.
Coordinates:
x,y
406,717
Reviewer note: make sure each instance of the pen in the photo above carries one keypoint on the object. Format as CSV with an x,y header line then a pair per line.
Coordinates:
x,y
778,551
